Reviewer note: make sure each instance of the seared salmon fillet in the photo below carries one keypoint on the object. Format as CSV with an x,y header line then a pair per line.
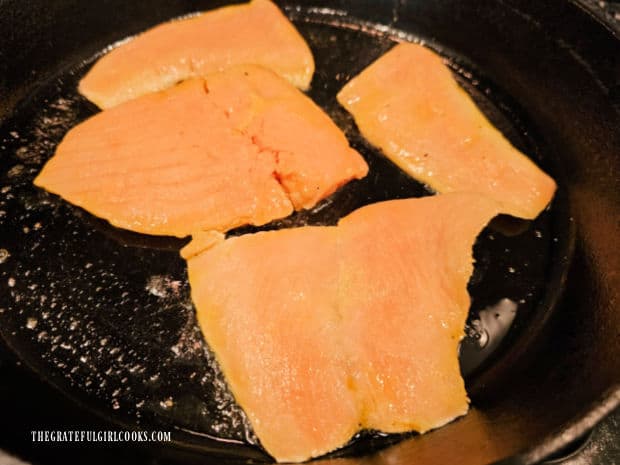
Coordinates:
x,y
324,331
251,33
408,105
241,147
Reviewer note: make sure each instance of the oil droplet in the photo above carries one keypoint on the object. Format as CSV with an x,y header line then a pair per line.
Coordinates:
x,y
15,171
156,287
166,404
483,338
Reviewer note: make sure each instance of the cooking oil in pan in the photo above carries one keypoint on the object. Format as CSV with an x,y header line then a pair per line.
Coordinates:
x,y
485,333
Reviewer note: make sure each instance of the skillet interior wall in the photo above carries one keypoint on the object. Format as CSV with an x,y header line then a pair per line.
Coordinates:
x,y
557,63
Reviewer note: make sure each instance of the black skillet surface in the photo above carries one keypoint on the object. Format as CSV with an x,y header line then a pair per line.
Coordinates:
x,y
105,315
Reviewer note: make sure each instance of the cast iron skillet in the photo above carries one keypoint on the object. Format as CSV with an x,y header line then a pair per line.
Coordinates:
x,y
104,315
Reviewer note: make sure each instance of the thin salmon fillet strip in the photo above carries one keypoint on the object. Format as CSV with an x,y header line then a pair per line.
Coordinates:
x,y
408,105
204,155
324,331
251,33
404,269
267,305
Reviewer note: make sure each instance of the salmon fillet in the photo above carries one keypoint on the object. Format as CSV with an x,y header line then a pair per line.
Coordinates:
x,y
408,105
267,305
251,33
241,147
324,331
